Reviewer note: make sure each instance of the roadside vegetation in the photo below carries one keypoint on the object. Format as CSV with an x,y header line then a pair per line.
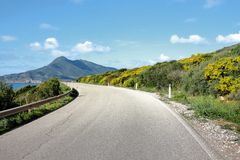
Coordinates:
x,y
209,83
19,119
123,77
10,98
6,96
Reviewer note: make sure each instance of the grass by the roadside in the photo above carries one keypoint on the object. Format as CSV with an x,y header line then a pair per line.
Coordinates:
x,y
148,89
14,121
180,97
216,109
212,108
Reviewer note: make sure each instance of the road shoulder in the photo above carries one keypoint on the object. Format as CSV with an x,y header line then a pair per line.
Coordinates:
x,y
225,142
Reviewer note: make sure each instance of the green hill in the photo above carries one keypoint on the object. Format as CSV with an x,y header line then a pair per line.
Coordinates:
x,y
216,73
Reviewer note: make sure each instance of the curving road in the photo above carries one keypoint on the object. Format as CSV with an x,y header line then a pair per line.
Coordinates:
x,y
106,123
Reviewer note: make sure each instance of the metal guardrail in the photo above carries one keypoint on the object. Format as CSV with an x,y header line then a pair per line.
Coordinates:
x,y
26,107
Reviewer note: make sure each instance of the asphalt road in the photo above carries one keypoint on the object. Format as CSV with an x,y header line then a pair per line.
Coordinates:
x,y
106,123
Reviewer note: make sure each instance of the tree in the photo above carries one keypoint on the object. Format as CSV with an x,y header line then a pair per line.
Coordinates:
x,y
6,96
49,88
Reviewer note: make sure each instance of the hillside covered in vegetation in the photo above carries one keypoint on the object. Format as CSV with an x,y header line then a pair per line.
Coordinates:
x,y
122,77
214,75
10,98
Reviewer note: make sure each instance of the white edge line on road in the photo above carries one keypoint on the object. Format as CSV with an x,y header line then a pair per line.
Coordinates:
x,y
194,134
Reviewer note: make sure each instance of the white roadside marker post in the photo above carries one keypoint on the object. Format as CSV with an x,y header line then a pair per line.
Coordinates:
x,y
169,91
136,86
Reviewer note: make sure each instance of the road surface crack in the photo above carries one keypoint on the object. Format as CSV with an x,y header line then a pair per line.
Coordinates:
x,y
57,126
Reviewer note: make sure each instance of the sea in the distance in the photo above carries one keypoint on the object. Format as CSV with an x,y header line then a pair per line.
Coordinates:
x,y
17,86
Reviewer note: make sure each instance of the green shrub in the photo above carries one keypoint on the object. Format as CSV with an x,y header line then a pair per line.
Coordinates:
x,y
162,74
130,82
26,116
3,125
74,93
194,83
6,96
49,88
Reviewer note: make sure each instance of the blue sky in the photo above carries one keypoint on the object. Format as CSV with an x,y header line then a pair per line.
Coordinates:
x,y
117,33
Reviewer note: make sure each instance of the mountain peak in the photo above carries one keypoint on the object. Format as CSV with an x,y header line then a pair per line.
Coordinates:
x,y
60,58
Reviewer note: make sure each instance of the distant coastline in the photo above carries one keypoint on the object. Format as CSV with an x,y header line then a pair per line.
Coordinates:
x,y
19,85
23,81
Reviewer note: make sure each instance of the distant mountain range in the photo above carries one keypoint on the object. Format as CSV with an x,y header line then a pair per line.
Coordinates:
x,y
61,68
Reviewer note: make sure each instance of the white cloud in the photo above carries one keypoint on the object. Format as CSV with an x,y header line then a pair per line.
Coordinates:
x,y
51,43
35,46
231,38
88,46
212,3
50,46
163,58
58,53
48,26
195,39
7,38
